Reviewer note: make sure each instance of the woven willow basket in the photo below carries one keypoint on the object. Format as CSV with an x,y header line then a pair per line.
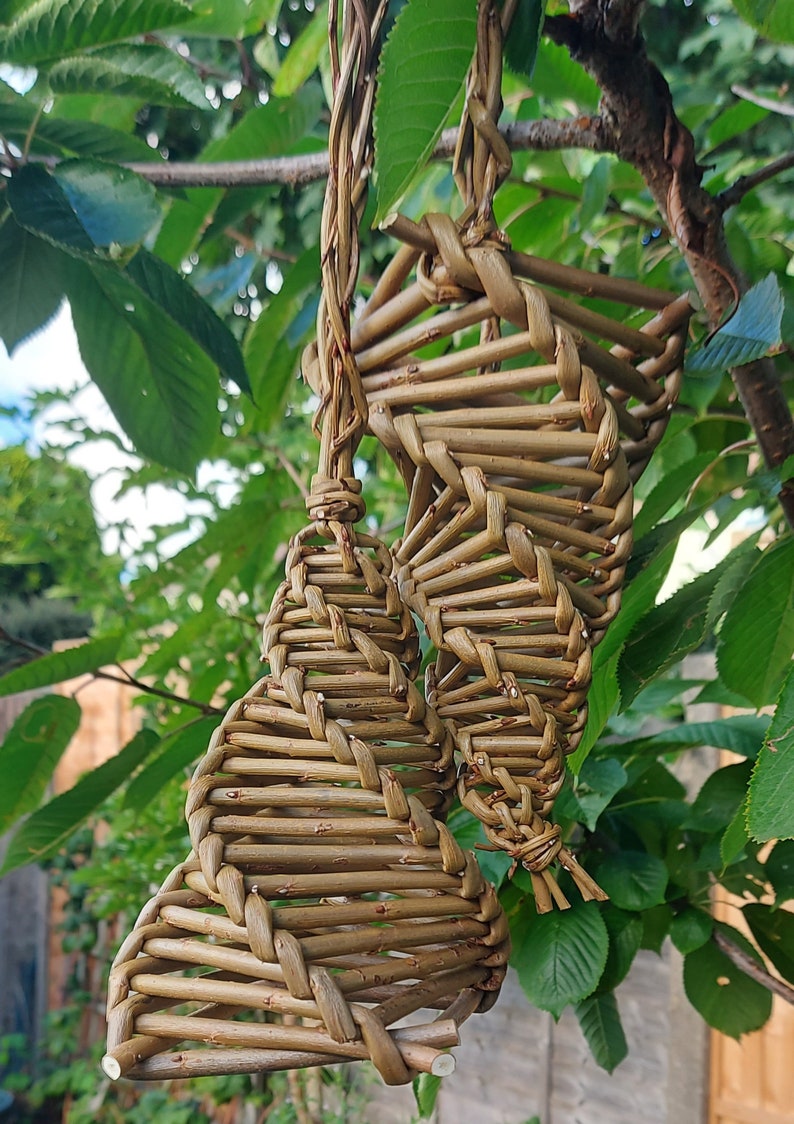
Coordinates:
x,y
324,895
518,445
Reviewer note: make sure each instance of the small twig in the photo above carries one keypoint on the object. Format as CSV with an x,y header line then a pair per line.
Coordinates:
x,y
782,107
291,471
255,247
750,967
737,191
577,132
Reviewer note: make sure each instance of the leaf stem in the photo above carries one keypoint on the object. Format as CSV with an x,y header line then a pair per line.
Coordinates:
x,y
737,191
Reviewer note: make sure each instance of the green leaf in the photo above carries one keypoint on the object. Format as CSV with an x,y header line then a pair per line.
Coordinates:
x,y
426,1088
779,869
757,635
601,701
720,798
690,930
752,331
523,37
177,297
743,734
735,837
470,834
558,78
422,68
560,956
595,193
30,287
774,19
145,71
176,753
727,998
603,1031
271,356
159,384
41,836
84,204
655,927
625,937
670,490
770,802
65,136
303,56
667,633
633,880
113,204
58,666
773,931
49,29
736,119
596,784
31,750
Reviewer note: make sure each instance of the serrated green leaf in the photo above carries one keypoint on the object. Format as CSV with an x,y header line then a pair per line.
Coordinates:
x,y
774,19
523,37
58,666
752,331
757,636
727,998
426,1088
30,751
30,288
40,205
177,297
160,385
773,931
720,798
599,1019
633,880
422,68
779,869
176,752
770,799
734,838
271,357
690,930
670,490
625,937
303,55
41,836
63,136
560,956
743,734
50,29
145,71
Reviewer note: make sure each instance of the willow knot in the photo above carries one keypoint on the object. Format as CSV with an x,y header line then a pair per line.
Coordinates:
x,y
335,500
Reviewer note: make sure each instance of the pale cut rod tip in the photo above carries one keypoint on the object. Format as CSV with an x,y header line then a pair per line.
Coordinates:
x,y
443,1066
110,1067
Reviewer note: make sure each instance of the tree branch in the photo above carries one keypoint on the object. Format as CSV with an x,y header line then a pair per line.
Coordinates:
x,y
786,109
752,968
737,191
544,135
127,680
638,115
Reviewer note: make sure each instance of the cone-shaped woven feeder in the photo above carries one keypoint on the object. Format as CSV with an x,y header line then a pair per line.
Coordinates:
x,y
324,900
518,444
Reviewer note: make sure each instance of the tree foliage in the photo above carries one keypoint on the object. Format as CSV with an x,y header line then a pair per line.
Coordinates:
x,y
191,304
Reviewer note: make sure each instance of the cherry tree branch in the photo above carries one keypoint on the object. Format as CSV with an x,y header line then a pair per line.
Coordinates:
x,y
737,191
752,968
638,114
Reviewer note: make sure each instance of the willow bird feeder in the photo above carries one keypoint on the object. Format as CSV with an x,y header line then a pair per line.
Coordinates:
x,y
518,444
324,900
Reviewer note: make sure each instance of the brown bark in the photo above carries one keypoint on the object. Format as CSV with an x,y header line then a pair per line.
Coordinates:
x,y
638,113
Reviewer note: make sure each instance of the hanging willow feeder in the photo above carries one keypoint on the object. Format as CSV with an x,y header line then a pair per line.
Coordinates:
x,y
518,445
323,890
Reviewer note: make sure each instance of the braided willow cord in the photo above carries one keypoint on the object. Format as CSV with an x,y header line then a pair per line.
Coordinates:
x,y
518,449
323,890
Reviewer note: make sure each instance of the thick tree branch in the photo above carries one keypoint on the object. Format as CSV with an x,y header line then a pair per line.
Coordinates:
x,y
545,135
752,968
638,115
737,191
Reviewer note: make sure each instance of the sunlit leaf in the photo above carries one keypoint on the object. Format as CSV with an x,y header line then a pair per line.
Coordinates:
x,y
770,804
58,666
145,71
